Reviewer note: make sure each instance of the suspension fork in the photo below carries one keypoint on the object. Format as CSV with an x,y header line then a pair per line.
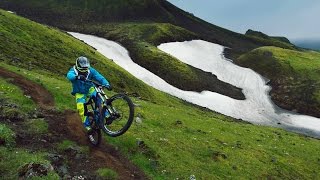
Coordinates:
x,y
104,100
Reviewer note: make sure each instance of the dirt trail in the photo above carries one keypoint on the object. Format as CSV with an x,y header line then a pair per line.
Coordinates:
x,y
67,125
37,93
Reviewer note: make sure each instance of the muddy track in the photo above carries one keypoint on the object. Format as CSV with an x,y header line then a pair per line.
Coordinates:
x,y
67,125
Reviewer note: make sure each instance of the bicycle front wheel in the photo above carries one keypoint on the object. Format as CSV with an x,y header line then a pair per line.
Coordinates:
x,y
117,116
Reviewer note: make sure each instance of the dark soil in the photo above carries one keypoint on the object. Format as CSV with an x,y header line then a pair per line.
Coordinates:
x,y
67,126
38,93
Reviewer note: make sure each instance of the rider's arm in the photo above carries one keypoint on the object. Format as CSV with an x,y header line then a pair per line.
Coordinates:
x,y
98,77
71,75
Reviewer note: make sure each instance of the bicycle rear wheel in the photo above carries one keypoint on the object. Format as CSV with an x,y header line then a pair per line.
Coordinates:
x,y
120,113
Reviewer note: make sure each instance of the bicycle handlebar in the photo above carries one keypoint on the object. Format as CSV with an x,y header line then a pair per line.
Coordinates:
x,y
99,85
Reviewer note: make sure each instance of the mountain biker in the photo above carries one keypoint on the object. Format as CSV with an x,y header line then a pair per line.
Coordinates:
x,y
78,74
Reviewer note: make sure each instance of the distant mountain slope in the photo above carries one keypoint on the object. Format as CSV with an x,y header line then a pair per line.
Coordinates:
x,y
32,46
139,37
273,40
86,11
65,13
294,75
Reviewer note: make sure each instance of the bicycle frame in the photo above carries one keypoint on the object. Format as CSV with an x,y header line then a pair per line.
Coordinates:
x,y
104,114
100,99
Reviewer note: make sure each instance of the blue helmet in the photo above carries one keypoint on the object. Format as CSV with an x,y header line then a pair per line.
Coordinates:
x,y
82,64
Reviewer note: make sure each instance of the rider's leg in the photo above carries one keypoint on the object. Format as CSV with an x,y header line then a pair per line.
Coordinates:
x,y
81,99
93,93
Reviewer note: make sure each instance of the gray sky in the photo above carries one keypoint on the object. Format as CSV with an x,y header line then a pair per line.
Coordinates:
x,y
295,19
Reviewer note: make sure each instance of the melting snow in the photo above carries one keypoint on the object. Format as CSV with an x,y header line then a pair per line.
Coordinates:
x,y
257,108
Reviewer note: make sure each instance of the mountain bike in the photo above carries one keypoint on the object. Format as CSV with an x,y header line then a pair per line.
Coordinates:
x,y
113,115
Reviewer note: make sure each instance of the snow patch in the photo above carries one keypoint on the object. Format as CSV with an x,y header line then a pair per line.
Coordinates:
x,y
257,108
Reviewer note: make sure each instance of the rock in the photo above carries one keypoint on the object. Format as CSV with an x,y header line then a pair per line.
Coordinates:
x,y
67,176
79,177
56,159
192,177
218,155
79,156
140,143
239,145
15,60
164,140
138,120
63,171
73,150
34,169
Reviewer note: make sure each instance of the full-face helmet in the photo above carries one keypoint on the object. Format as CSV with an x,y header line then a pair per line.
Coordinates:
x,y
82,64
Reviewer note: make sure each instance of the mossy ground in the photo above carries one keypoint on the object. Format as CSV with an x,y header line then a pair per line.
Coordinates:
x,y
14,158
294,75
15,108
108,174
175,138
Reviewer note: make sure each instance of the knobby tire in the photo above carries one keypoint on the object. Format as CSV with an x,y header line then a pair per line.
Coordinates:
x,y
129,120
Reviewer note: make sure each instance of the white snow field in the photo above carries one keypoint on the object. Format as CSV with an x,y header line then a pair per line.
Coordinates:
x,y
257,108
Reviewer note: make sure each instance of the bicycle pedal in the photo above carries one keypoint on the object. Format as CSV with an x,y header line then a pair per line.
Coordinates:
x,y
91,138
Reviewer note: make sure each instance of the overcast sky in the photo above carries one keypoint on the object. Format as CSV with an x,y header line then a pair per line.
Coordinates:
x,y
295,19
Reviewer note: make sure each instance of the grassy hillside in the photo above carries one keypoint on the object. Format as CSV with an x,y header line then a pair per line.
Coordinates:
x,y
174,139
146,17
140,38
269,40
294,75
56,52
84,11
64,13
15,107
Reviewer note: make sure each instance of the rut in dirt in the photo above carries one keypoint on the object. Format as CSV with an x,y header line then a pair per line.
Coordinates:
x,y
68,126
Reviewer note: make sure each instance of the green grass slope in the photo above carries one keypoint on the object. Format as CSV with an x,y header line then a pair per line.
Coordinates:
x,y
294,75
56,52
82,15
14,106
64,13
84,11
141,40
140,37
269,40
173,139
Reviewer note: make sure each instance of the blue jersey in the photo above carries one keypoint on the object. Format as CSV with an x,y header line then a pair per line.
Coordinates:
x,y
83,87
